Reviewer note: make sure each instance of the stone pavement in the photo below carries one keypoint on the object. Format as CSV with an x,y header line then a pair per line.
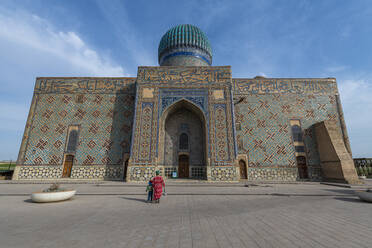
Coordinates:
x,y
113,214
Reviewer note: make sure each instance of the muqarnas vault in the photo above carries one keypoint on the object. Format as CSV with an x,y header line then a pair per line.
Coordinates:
x,y
185,118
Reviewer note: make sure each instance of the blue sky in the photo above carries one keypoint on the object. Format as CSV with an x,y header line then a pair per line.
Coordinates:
x,y
278,38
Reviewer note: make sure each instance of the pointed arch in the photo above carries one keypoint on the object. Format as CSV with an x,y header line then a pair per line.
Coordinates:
x,y
181,105
187,103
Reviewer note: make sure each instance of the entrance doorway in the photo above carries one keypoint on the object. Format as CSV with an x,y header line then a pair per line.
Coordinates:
x,y
67,166
183,166
243,169
125,170
182,130
302,167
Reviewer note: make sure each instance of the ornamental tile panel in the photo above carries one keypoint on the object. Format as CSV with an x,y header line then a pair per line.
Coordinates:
x,y
57,109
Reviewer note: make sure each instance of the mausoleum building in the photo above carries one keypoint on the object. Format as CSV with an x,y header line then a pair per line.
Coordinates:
x,y
187,119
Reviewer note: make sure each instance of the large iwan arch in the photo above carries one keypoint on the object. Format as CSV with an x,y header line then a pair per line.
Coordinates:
x,y
182,121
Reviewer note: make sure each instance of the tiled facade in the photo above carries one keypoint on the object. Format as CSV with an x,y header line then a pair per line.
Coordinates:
x,y
104,115
127,117
263,117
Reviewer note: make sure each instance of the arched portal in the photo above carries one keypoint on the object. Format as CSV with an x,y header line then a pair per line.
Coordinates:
x,y
243,169
183,135
302,167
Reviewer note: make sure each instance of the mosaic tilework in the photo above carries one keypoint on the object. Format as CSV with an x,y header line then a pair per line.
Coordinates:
x,y
85,85
97,172
145,132
199,97
168,85
285,86
184,36
139,173
223,173
272,174
102,108
220,132
39,172
78,172
184,75
168,96
104,134
265,134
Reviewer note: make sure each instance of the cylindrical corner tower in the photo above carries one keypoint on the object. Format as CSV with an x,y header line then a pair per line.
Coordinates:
x,y
184,45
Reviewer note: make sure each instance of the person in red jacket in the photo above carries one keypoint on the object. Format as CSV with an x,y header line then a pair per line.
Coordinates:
x,y
158,184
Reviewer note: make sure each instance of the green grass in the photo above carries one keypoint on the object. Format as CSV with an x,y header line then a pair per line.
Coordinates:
x,y
6,166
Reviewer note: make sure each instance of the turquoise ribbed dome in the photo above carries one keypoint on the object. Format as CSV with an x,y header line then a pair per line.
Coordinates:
x,y
184,35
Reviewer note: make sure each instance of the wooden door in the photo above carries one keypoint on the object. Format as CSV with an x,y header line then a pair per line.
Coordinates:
x,y
243,169
67,166
302,167
183,166
125,169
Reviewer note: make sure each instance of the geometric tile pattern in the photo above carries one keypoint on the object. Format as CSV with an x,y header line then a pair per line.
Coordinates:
x,y
265,133
146,131
39,172
224,173
78,172
141,173
221,141
199,97
102,108
170,86
103,137
272,174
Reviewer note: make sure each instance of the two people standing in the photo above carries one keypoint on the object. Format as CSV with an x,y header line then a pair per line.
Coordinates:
x,y
155,188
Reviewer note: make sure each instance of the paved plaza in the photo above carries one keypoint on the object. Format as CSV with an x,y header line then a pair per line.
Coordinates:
x,y
114,214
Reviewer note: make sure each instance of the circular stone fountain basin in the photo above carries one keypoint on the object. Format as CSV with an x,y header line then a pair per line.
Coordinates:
x,y
364,195
52,196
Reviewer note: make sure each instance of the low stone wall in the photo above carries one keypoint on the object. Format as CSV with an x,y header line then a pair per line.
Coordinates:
x,y
224,173
97,172
141,173
272,174
37,172
145,173
114,172
217,173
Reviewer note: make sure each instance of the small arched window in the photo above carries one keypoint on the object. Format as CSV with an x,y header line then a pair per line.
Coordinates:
x,y
72,141
297,133
184,141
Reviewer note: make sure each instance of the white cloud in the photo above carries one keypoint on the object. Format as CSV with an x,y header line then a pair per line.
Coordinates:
x,y
263,74
357,106
30,46
338,68
33,32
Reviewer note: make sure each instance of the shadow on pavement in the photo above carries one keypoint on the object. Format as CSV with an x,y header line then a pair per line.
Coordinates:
x,y
356,200
134,199
341,191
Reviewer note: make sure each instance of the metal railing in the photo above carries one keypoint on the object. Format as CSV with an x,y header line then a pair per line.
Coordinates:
x,y
197,172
